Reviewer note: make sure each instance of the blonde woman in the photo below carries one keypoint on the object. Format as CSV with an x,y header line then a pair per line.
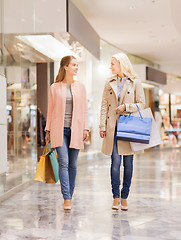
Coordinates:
x,y
67,123
121,93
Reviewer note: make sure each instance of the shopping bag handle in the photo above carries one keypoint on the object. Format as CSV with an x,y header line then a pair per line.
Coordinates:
x,y
49,147
45,149
139,111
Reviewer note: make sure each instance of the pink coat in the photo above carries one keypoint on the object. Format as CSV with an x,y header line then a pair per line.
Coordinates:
x,y
56,113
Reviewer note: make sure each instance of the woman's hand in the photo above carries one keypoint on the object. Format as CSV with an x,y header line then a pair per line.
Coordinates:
x,y
102,134
121,108
85,135
47,137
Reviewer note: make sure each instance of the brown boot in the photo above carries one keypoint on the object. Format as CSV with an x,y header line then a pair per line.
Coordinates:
x,y
67,204
116,203
124,205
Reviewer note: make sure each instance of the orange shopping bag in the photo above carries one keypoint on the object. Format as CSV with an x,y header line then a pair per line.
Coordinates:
x,y
40,171
49,174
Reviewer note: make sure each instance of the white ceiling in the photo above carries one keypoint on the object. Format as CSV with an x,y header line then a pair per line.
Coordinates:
x,y
147,28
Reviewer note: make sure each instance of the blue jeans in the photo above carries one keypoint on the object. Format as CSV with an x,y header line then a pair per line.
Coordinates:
x,y
67,165
115,172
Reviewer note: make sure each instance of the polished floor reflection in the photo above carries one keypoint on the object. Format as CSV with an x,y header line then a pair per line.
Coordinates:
x,y
154,204
20,171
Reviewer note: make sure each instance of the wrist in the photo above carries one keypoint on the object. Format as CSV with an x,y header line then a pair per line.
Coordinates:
x,y
124,106
86,130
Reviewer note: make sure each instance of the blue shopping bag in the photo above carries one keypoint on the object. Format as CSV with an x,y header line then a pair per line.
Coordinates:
x,y
55,165
134,129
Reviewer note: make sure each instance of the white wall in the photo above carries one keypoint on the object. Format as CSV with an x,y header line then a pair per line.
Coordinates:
x,y
173,85
13,74
3,117
34,16
1,69
140,70
3,126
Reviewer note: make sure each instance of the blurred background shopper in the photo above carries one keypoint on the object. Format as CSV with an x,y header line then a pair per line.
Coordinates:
x,y
67,123
121,93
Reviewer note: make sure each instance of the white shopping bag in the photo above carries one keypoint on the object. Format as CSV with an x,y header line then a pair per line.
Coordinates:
x,y
155,138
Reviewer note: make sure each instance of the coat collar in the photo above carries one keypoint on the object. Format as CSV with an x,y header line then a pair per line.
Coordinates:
x,y
75,82
114,77
113,84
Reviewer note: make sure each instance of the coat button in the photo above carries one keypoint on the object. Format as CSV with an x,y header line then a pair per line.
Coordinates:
x,y
110,92
128,92
109,105
108,117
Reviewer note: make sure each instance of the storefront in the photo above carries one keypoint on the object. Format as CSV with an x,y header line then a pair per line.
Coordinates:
x,y
31,46
170,108
162,92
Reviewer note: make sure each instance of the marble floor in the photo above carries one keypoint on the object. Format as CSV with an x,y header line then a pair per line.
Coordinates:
x,y
154,212
21,170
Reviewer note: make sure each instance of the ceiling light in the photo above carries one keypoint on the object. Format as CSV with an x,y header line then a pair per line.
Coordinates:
x,y
15,86
132,7
33,107
147,85
160,92
8,107
47,45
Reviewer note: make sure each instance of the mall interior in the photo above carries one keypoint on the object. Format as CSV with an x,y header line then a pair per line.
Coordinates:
x,y
34,36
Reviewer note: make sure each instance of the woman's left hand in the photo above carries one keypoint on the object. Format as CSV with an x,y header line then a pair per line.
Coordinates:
x,y
85,135
121,108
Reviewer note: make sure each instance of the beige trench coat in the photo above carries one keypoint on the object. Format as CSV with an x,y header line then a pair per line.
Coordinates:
x,y
131,94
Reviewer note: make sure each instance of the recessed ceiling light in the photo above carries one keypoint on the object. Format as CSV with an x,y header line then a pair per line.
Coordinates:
x,y
132,7
152,36
140,21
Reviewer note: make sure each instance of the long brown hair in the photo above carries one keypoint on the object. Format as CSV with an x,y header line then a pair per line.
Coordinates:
x,y
65,61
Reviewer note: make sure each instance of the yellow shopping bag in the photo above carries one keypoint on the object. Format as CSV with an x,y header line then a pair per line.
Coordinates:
x,y
40,171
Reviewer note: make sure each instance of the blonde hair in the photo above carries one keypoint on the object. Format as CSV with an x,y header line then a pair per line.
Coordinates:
x,y
126,66
65,61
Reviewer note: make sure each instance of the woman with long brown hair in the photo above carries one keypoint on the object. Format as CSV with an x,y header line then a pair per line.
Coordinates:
x,y
67,123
